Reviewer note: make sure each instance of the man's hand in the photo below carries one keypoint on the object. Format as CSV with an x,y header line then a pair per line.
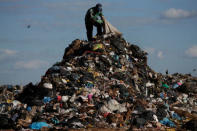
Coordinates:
x,y
100,21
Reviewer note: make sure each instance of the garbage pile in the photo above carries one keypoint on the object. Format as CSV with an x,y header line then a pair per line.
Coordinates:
x,y
100,85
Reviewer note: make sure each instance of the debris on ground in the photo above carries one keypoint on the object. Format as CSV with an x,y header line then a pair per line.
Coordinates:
x,y
100,85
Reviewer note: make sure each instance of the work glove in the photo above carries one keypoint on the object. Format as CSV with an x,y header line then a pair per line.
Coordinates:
x,y
100,21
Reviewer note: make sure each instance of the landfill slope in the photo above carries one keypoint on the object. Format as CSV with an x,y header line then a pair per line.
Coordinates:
x,y
100,85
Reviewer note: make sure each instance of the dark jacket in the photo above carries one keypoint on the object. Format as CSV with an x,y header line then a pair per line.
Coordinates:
x,y
92,15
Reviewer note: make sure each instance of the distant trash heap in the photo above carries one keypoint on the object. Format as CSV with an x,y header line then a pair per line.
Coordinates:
x,y
101,85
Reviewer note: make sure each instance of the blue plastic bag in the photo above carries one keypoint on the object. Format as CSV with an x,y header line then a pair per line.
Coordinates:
x,y
176,116
167,122
55,120
116,58
28,108
89,85
175,86
162,95
47,99
38,125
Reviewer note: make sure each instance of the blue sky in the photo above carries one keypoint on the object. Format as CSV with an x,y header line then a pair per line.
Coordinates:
x,y
166,29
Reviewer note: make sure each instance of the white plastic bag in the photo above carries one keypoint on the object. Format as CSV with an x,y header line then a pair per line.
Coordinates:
x,y
109,29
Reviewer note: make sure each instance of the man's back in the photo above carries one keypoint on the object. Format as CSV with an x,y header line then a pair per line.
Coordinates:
x,y
92,15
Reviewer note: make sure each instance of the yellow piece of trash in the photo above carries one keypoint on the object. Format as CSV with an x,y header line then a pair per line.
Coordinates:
x,y
90,69
97,46
9,108
9,101
89,126
170,129
96,74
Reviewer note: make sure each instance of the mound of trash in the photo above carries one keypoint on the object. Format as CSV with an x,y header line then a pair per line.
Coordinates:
x,y
101,85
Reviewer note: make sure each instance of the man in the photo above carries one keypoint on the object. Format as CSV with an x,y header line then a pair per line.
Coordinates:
x,y
94,18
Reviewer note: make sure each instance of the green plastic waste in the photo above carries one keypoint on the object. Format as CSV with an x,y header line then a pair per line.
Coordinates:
x,y
165,85
98,46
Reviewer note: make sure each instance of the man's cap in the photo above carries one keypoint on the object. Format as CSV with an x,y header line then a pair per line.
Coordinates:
x,y
99,7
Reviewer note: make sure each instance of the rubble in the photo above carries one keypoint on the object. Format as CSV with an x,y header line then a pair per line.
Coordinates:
x,y
100,85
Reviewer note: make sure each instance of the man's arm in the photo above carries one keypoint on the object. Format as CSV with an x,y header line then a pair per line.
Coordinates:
x,y
92,17
101,21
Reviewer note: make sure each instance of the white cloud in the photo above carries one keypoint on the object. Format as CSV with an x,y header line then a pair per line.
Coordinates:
x,y
192,51
5,53
173,13
33,64
160,54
